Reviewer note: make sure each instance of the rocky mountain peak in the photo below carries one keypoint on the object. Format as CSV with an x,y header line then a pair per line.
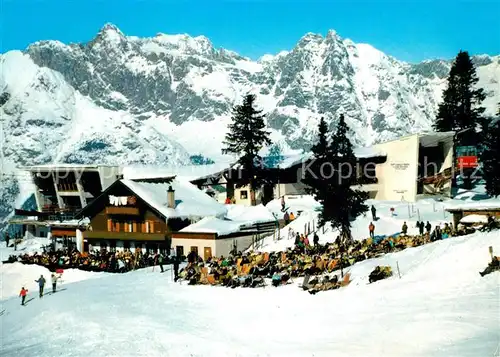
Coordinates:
x,y
123,99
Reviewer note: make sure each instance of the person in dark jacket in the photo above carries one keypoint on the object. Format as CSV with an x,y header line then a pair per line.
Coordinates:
x,y
192,257
404,229
421,226
7,239
428,227
297,239
315,239
374,213
176,268
286,218
41,284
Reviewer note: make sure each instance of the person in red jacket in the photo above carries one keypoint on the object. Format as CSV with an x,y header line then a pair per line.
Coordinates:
x,y
22,294
371,228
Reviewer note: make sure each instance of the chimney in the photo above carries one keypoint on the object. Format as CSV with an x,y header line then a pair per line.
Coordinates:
x,y
170,197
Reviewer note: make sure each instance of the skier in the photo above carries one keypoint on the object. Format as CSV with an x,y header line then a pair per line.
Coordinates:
x,y
7,239
371,228
22,294
282,203
374,213
54,279
41,284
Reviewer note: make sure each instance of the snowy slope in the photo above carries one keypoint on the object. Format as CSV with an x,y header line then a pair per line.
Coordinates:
x,y
440,307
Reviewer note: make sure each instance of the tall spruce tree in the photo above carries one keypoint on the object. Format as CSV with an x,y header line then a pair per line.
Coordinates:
x,y
246,137
313,176
343,203
461,107
489,157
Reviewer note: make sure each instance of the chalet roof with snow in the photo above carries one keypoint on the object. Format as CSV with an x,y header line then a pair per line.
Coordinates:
x,y
186,172
485,205
190,202
360,153
239,218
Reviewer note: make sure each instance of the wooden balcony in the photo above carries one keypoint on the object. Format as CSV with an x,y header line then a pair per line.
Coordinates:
x,y
124,235
122,210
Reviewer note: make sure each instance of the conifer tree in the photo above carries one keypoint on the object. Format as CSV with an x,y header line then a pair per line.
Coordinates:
x,y
490,156
246,137
317,183
461,107
343,203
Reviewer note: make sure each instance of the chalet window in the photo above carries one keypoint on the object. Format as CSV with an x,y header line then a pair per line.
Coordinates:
x,y
148,227
179,251
194,249
244,195
110,225
117,226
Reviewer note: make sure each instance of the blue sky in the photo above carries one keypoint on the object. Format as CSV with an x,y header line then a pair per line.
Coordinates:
x,y
407,29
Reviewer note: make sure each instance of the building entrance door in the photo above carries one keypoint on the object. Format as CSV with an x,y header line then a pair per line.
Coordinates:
x,y
207,253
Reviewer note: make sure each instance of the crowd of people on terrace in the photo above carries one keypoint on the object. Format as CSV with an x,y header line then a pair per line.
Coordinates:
x,y
97,261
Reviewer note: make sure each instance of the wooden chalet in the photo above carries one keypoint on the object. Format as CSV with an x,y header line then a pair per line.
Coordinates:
x,y
143,213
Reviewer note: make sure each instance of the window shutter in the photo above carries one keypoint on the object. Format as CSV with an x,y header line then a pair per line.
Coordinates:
x,y
110,225
117,226
143,227
151,226
134,227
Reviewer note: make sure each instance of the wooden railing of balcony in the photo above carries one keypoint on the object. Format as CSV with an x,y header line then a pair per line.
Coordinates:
x,y
122,210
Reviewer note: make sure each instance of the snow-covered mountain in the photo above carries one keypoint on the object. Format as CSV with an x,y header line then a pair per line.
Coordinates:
x,y
124,99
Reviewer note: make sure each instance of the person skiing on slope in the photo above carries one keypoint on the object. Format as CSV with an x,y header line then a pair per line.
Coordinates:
x,y
22,294
374,213
41,284
54,278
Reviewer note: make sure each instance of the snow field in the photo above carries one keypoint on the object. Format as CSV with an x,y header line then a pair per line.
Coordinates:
x,y
440,307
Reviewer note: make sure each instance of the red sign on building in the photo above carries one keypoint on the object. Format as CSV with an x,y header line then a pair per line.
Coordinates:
x,y
467,162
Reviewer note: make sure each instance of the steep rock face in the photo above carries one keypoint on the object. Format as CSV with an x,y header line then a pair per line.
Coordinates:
x,y
183,79
122,99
